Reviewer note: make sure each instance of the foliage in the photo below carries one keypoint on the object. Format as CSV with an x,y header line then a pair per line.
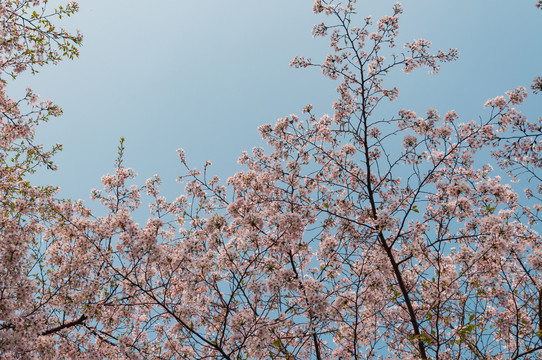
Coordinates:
x,y
28,214
348,237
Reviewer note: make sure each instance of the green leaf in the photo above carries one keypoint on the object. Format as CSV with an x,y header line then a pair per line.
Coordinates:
x,y
468,329
425,338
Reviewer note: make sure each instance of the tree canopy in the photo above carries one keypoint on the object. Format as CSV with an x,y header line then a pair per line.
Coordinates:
x,y
349,236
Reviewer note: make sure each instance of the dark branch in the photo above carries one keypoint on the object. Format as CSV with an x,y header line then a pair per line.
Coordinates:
x,y
79,321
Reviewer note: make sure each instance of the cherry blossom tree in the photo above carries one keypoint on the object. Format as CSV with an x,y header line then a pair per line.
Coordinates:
x,y
348,237
29,314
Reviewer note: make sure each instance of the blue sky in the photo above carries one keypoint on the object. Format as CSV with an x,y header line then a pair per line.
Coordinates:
x,y
203,75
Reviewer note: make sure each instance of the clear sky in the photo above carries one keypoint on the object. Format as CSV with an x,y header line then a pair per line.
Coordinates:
x,y
203,75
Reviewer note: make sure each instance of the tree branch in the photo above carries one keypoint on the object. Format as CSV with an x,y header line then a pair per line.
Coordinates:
x,y
79,321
